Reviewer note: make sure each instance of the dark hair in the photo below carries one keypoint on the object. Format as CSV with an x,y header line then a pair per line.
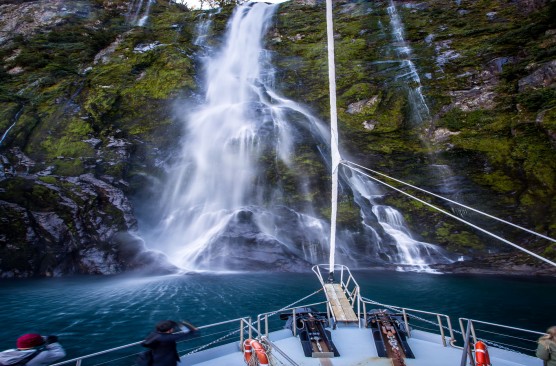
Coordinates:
x,y
166,325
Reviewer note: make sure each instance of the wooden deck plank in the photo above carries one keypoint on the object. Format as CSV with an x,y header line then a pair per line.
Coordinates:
x,y
342,309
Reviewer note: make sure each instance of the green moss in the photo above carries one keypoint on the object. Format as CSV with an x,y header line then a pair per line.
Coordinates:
x,y
357,92
550,252
499,181
20,132
164,77
548,121
116,170
457,120
29,194
48,179
537,155
347,215
100,102
309,163
8,111
535,100
497,149
70,143
69,167
457,241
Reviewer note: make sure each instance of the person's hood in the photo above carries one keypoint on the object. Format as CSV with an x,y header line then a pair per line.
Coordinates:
x,y
12,356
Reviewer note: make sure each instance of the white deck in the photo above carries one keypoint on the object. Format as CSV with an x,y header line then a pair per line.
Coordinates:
x,y
357,348
355,345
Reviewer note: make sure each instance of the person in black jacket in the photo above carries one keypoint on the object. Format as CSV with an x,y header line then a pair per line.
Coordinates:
x,y
162,342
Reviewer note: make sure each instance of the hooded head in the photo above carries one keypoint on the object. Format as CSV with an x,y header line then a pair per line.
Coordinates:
x,y
30,340
166,326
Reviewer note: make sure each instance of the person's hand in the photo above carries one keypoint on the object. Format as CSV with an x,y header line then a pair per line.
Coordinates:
x,y
51,339
189,326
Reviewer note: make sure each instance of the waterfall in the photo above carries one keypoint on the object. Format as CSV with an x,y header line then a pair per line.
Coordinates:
x,y
203,26
15,119
394,241
449,186
134,15
6,133
218,211
447,180
407,70
143,20
226,203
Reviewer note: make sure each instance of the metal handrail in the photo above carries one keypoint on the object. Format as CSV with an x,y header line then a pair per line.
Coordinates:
x,y
471,325
354,295
499,325
78,360
282,353
467,347
337,267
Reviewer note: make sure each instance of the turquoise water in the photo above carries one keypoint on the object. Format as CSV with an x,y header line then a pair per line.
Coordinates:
x,y
95,313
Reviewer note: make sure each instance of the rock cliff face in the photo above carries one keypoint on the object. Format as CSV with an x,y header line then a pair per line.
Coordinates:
x,y
87,99
484,72
73,135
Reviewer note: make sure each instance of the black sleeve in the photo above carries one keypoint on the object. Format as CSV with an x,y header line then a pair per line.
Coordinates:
x,y
151,340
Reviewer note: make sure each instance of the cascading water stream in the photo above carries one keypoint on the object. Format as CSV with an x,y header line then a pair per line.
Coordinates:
x,y
420,112
395,241
15,119
449,186
143,20
203,26
408,71
6,133
214,203
221,210
134,15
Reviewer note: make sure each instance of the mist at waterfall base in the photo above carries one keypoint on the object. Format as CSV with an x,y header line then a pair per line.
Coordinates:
x,y
90,314
248,189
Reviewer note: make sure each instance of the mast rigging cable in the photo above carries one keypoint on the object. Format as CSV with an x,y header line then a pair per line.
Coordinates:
x,y
345,163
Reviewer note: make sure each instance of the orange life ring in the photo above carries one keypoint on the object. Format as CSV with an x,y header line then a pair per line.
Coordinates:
x,y
481,354
250,345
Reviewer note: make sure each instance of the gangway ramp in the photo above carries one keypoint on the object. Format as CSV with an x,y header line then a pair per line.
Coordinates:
x,y
339,303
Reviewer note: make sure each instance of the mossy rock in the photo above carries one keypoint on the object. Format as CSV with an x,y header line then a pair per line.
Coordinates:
x,y
27,193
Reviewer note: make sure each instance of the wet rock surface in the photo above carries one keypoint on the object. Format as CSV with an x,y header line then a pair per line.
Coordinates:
x,y
87,99
497,265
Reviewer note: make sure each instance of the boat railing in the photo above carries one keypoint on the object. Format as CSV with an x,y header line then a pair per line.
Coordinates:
x,y
442,321
265,316
346,280
275,348
244,323
500,336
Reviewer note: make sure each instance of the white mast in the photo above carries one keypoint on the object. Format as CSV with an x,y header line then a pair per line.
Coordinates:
x,y
333,132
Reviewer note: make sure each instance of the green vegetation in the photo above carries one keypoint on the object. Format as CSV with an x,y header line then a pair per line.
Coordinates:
x,y
96,95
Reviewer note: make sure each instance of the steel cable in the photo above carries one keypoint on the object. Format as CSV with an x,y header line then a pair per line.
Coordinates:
x,y
345,162
454,216
238,330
